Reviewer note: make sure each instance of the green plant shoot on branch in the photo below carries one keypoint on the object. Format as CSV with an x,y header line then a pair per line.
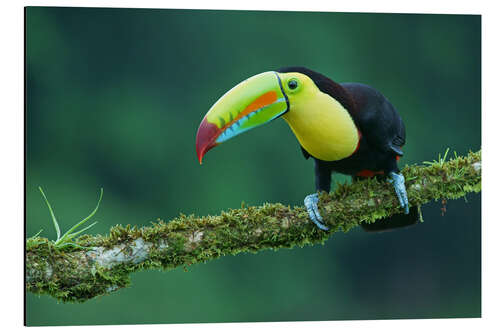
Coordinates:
x,y
77,269
66,239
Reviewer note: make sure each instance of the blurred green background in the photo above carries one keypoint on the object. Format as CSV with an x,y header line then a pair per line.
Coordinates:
x,y
114,99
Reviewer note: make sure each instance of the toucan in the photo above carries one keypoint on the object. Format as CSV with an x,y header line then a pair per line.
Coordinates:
x,y
348,128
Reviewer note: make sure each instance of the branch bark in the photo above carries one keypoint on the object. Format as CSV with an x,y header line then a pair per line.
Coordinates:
x,y
76,275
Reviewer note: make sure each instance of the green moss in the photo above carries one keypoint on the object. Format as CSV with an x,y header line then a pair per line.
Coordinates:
x,y
72,274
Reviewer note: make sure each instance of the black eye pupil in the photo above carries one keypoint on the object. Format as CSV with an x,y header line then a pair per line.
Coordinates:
x,y
292,84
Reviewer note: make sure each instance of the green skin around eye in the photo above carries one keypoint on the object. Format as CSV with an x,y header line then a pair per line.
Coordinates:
x,y
293,85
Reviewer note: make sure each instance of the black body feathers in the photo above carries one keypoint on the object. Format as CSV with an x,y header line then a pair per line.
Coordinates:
x,y
381,128
382,138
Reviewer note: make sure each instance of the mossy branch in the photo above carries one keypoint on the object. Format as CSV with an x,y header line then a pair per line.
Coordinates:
x,y
77,274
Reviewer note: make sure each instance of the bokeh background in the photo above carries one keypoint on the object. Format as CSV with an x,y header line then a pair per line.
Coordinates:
x,y
114,99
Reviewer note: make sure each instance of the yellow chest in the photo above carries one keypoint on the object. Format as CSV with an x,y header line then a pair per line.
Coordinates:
x,y
323,127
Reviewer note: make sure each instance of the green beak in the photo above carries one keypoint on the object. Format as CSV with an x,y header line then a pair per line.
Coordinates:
x,y
252,103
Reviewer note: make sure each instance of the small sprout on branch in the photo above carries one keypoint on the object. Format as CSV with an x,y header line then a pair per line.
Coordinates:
x,y
66,239
440,160
34,240
37,234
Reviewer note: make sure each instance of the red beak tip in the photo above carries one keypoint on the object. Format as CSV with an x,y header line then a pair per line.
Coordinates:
x,y
199,154
205,138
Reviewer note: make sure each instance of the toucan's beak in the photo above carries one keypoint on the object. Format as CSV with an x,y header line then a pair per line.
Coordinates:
x,y
251,103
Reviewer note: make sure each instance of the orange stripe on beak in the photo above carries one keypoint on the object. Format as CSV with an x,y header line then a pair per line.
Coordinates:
x,y
261,101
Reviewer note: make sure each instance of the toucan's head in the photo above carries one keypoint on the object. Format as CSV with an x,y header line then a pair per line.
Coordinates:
x,y
260,99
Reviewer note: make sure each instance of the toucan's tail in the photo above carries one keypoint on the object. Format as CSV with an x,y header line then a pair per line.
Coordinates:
x,y
393,222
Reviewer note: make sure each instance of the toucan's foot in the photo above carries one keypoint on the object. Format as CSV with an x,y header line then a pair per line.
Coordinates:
x,y
311,202
398,180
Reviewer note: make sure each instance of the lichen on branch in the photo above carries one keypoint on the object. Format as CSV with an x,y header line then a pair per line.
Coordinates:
x,y
102,264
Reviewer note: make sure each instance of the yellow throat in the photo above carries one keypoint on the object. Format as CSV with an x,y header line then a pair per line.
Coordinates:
x,y
321,124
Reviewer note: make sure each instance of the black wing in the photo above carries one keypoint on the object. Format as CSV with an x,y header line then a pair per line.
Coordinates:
x,y
376,118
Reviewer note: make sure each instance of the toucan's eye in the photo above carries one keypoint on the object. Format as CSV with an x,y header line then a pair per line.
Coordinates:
x,y
293,84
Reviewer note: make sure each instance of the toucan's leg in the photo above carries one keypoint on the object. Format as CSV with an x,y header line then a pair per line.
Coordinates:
x,y
311,203
323,180
398,180
396,221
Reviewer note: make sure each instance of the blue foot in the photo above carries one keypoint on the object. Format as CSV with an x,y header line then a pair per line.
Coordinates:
x,y
311,202
398,180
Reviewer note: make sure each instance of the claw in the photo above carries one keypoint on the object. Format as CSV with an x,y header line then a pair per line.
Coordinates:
x,y
311,203
398,180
